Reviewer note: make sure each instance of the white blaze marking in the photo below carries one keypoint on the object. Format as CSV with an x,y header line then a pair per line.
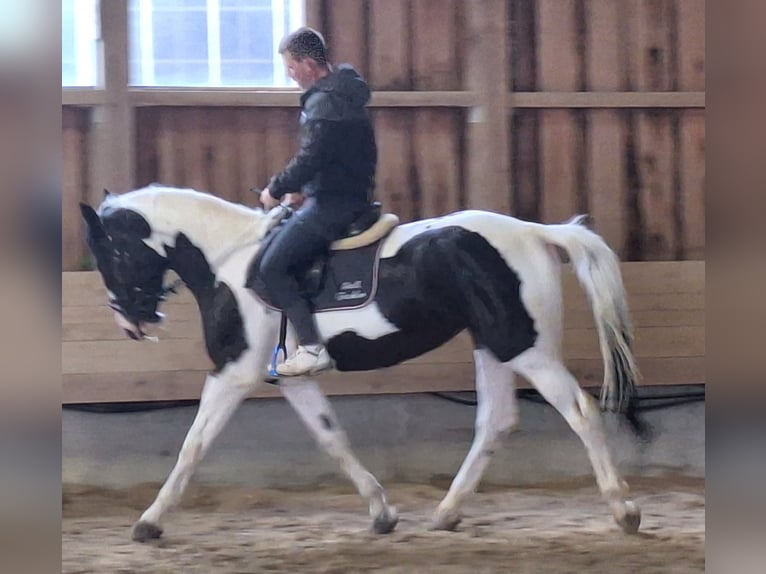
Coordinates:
x,y
367,322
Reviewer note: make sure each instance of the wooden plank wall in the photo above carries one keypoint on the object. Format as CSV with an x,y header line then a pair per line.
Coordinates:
x,y
408,46
225,151
74,175
99,364
638,172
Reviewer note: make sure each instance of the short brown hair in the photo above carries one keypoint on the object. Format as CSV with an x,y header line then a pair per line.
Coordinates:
x,y
305,43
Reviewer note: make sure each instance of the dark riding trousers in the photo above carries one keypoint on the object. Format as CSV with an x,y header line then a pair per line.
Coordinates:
x,y
305,236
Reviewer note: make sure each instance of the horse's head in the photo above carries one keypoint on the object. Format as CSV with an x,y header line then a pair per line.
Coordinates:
x,y
132,270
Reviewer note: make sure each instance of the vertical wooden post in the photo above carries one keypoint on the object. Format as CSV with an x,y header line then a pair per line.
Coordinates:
x,y
112,130
558,69
73,168
655,72
524,123
605,138
346,32
315,15
435,132
488,181
691,77
389,49
391,69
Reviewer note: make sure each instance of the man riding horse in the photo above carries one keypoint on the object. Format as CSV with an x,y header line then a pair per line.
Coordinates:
x,y
334,169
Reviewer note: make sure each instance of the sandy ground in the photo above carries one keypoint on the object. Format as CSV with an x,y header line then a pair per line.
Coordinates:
x,y
560,528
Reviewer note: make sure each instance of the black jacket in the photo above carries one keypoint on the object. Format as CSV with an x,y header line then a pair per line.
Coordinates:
x,y
338,156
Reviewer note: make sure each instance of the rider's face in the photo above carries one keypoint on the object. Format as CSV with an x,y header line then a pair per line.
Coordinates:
x,y
304,72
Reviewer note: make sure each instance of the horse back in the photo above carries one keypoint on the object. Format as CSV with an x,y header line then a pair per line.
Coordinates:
x,y
436,278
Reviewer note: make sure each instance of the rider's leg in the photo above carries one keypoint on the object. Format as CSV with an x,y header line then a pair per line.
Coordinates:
x,y
293,248
300,242
305,236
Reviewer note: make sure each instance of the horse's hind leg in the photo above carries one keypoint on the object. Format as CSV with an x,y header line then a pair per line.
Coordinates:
x,y
221,396
496,414
313,407
557,385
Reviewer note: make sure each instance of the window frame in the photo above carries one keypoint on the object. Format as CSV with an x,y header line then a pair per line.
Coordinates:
x,y
282,12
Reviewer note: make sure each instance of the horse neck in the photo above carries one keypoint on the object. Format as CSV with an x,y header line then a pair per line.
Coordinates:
x,y
216,227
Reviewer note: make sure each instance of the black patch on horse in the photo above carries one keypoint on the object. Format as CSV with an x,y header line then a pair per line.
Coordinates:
x,y
326,421
344,279
441,282
221,319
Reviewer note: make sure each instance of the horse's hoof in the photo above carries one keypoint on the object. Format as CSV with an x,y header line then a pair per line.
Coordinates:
x,y
631,519
447,521
144,531
385,523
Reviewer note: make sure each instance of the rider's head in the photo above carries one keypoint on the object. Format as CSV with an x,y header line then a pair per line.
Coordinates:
x,y
305,55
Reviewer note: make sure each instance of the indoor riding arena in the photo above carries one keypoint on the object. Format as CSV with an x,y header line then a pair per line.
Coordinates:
x,y
539,109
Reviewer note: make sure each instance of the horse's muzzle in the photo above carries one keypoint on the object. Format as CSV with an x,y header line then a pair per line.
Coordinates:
x,y
134,329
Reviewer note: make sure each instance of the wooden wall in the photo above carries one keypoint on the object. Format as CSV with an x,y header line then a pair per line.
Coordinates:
x,y
538,108
639,172
74,135
100,364
602,115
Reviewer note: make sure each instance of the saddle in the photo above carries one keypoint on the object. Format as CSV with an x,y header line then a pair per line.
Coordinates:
x,y
344,278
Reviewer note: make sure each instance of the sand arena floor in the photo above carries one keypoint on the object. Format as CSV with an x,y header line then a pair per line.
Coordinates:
x,y
559,528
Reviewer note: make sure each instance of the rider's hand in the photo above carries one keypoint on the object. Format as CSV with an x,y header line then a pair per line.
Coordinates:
x,y
294,200
266,199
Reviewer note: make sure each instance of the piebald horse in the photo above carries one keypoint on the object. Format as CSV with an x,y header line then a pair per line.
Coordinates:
x,y
494,275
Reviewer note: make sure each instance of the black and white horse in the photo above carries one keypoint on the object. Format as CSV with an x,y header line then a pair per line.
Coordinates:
x,y
496,276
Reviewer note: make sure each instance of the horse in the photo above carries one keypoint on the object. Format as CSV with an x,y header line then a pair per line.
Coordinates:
x,y
493,275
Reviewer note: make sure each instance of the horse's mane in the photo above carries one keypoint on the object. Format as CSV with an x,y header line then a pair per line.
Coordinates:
x,y
160,197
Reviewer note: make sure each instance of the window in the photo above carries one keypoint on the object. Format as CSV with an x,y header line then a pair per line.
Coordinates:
x,y
79,33
210,43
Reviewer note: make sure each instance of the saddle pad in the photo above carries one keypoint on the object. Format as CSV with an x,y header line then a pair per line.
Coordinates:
x,y
350,279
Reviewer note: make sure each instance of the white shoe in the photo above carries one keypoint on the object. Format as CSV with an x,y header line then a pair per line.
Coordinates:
x,y
307,360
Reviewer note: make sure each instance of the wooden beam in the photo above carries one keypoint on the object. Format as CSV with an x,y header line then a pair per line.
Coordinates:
x,y
280,98
345,34
216,97
222,97
315,13
112,131
607,99
605,137
561,152
83,97
402,379
389,50
667,301
486,69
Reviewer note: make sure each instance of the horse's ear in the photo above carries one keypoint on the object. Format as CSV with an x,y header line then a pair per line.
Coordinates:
x,y
92,220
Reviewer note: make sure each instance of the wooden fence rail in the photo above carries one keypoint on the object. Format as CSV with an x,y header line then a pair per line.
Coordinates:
x,y
100,364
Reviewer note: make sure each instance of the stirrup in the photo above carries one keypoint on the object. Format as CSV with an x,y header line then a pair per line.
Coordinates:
x,y
281,347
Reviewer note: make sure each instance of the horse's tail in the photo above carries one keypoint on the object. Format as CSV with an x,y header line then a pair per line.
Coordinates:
x,y
598,271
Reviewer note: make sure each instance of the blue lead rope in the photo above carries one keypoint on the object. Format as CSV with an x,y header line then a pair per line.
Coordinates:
x,y
280,348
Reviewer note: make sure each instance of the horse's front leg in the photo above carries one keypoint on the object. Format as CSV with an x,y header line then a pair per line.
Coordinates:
x,y
313,407
221,395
